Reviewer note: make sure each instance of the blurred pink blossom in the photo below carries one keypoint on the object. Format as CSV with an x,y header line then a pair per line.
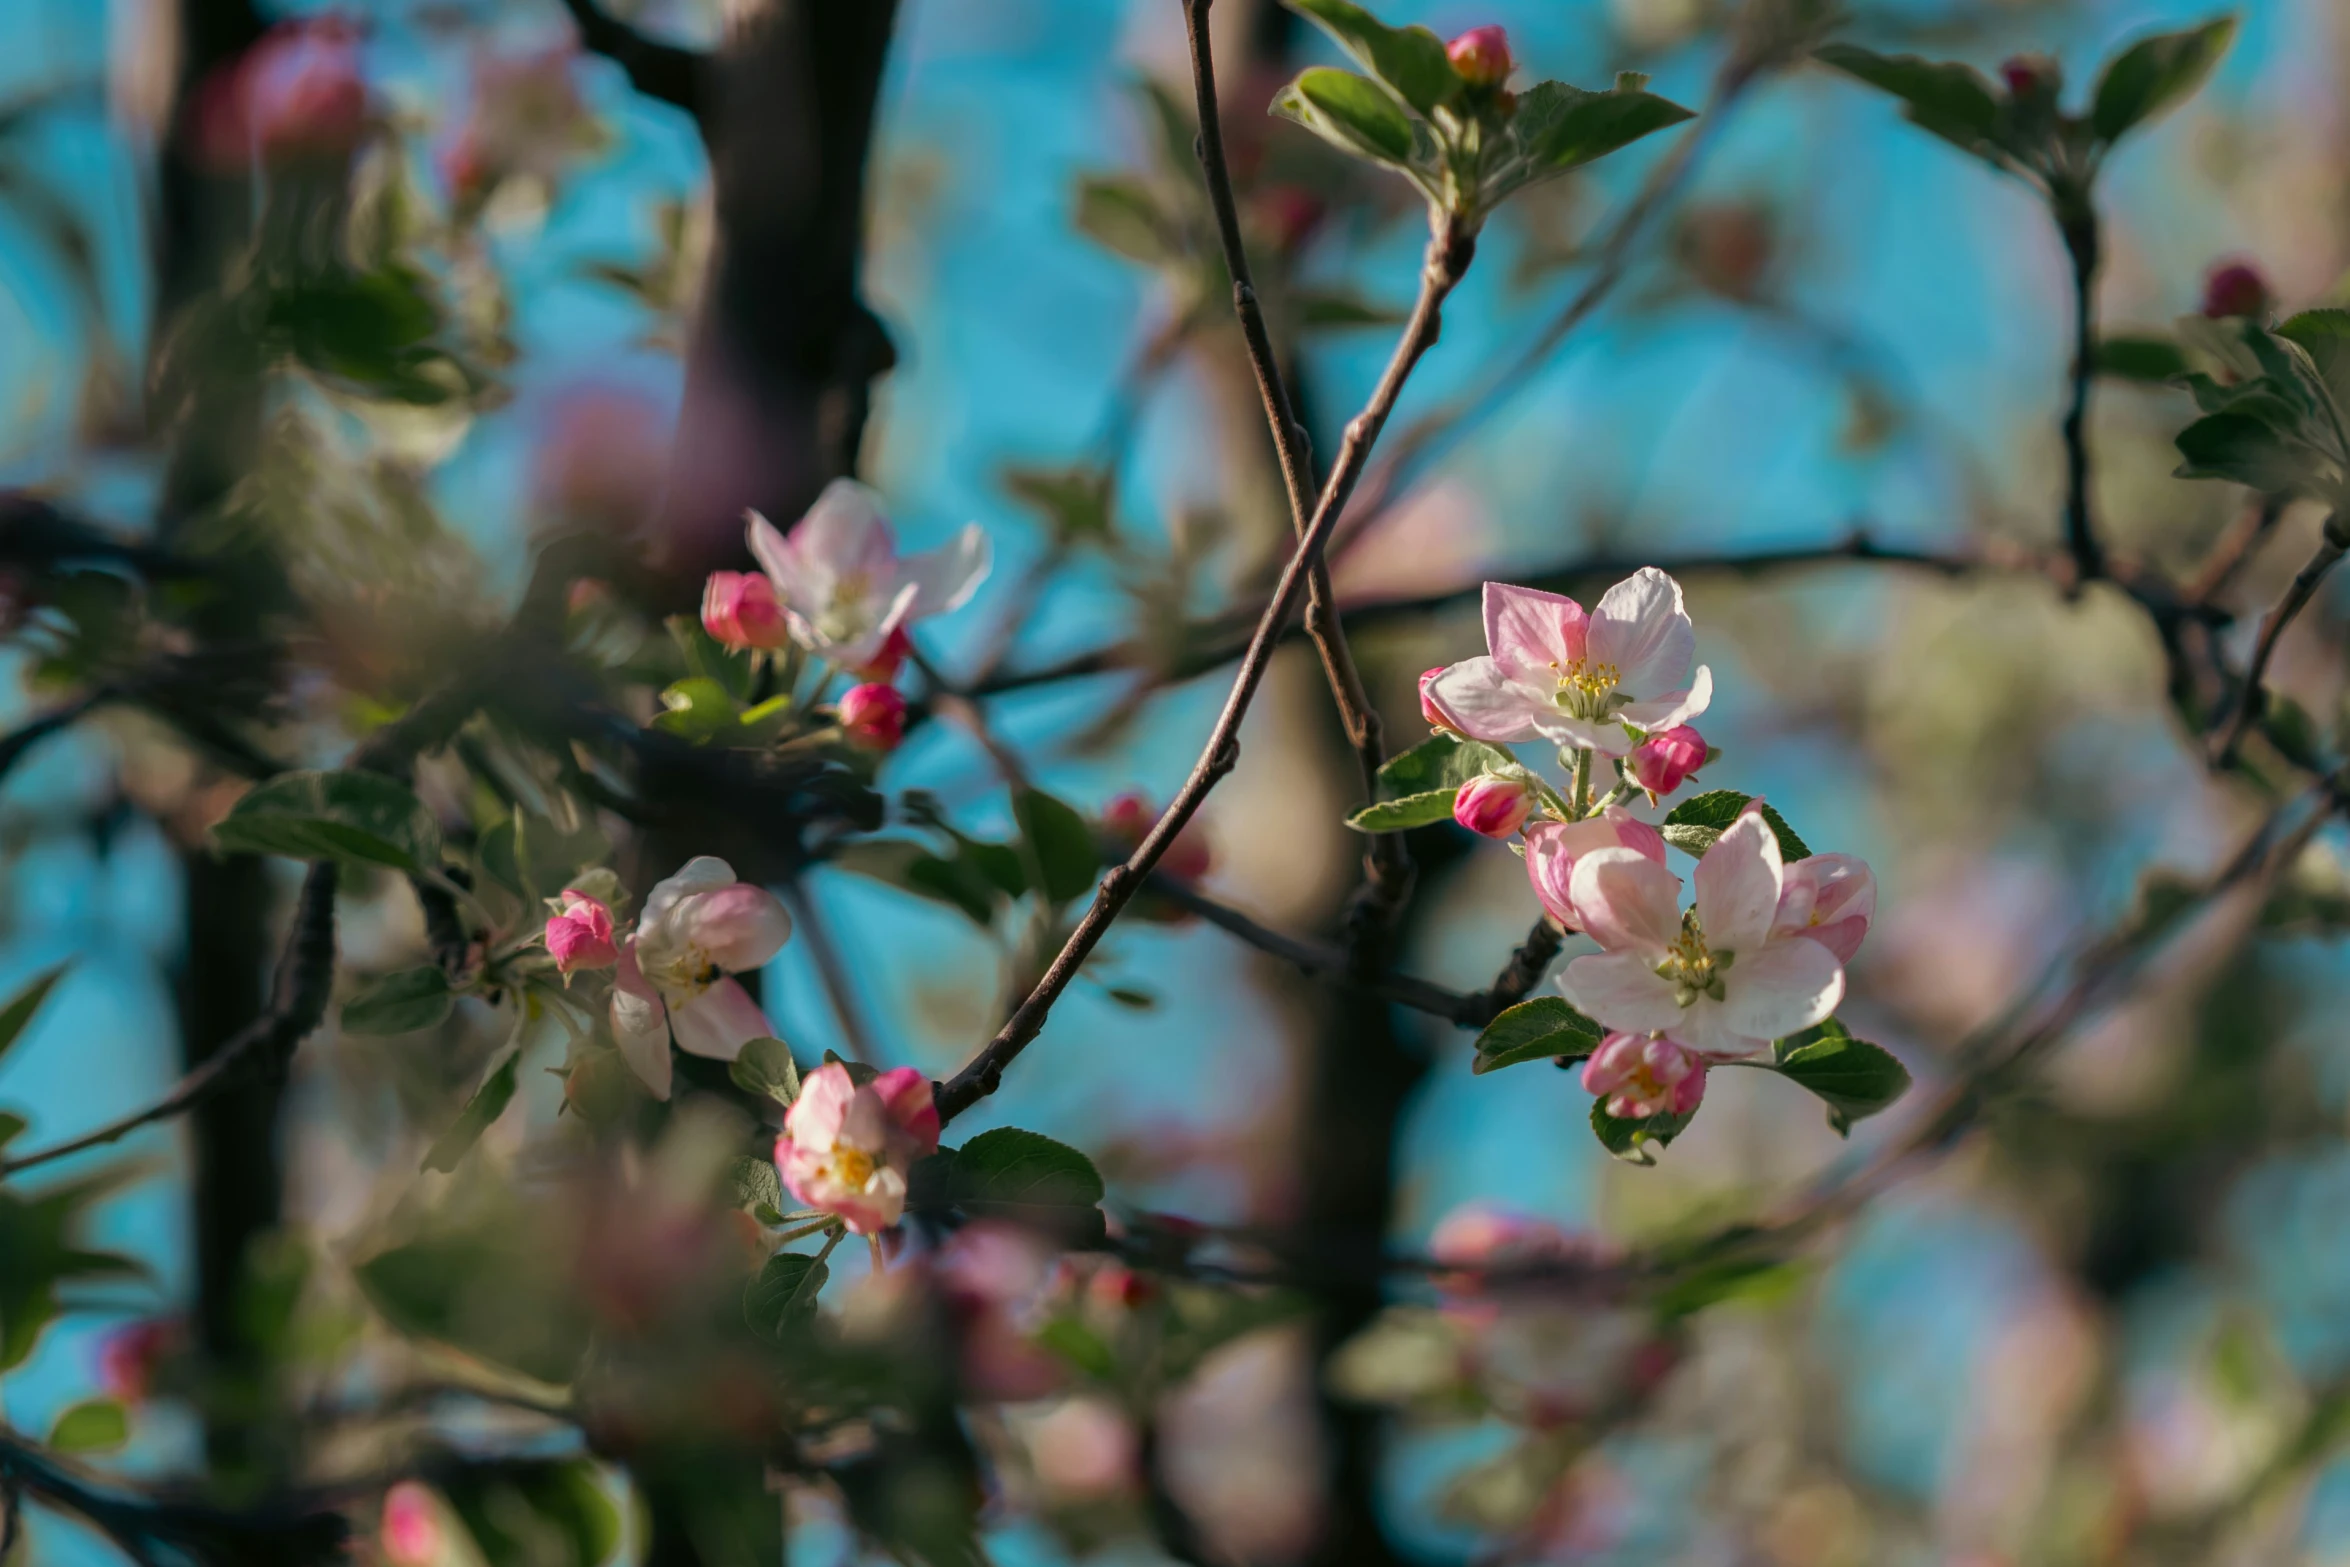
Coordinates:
x,y
873,716
843,584
1482,56
739,609
699,927
845,1149
1552,849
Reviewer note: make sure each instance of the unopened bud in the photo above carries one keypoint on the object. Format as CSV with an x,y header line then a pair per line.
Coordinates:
x,y
1492,805
739,609
1666,761
2032,78
2235,288
873,716
1428,708
1482,56
580,933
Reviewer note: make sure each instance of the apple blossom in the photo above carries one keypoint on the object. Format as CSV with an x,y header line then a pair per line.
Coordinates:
x,y
845,588
1478,1240
1553,847
1576,679
739,608
580,933
1428,708
873,716
699,927
411,1530
1641,1075
1493,805
1719,979
2236,288
1663,762
1482,56
845,1149
1830,898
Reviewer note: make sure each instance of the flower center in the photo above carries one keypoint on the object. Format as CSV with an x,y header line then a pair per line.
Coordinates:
x,y
1693,967
851,1166
1587,690
683,977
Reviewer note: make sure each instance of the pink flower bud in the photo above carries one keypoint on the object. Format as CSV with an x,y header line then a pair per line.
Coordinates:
x,y
873,716
883,666
1128,819
295,97
2031,76
1428,709
739,608
1665,761
580,934
1641,1076
128,1357
2236,288
411,1527
1493,805
1482,56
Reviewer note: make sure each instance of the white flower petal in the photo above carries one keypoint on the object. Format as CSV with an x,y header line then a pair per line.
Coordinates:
x,y
1606,736
945,578
795,584
1620,991
1679,707
1478,696
1738,883
719,1022
1775,990
640,1026
1708,1028
1641,628
1628,903
702,873
846,532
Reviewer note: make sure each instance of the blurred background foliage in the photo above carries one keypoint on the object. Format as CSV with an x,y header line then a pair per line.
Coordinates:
x,y
525,311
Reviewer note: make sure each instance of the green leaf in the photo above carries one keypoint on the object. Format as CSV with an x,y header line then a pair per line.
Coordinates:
x,y
400,1003
1122,215
1561,127
1952,101
96,1426
2323,334
26,1002
12,1126
1634,1141
357,817
480,1113
487,1279
766,1067
1712,1284
1011,1167
782,1299
1064,845
2154,359
1853,1077
958,882
2243,448
1703,817
1352,114
1080,1346
1445,761
753,1184
1413,810
2155,73
1536,1030
534,1512
1412,60
699,709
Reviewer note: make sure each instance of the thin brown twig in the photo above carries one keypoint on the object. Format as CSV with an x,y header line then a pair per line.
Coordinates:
x,y
2251,699
1387,865
1450,250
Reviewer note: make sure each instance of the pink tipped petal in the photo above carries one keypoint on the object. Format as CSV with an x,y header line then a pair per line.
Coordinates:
x,y
1612,1064
1493,806
846,532
815,1118
1629,903
702,873
1636,835
945,578
1477,697
781,562
1738,882
1830,898
881,1204
1842,937
1641,628
1672,709
719,1022
1688,1093
910,1108
1622,991
1778,989
1532,634
640,1025
740,926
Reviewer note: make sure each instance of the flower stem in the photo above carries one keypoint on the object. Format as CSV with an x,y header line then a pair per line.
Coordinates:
x,y
1582,773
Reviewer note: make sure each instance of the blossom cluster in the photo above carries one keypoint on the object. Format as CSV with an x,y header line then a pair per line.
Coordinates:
x,y
1760,952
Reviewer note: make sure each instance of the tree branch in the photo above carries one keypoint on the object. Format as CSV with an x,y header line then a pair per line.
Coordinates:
x,y
2251,700
1450,250
2080,536
154,1532
658,70
1387,865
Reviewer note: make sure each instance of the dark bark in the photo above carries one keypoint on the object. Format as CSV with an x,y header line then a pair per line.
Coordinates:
x,y
779,376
